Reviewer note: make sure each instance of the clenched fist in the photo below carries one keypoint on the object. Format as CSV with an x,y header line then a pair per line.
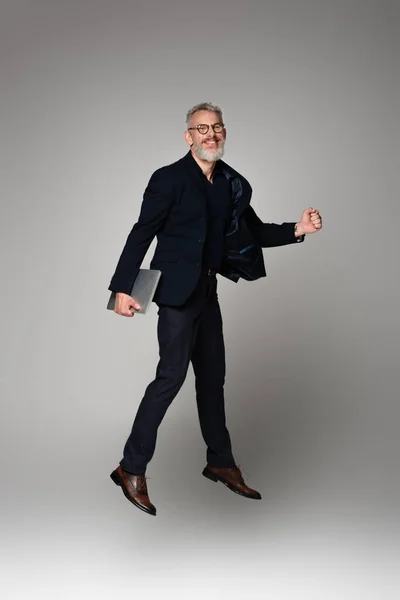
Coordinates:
x,y
125,305
310,221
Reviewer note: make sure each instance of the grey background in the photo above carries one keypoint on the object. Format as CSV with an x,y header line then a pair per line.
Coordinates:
x,y
93,99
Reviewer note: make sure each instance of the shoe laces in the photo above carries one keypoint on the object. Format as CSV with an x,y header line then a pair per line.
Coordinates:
x,y
236,470
142,485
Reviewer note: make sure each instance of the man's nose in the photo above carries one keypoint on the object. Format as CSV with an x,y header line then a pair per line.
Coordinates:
x,y
211,133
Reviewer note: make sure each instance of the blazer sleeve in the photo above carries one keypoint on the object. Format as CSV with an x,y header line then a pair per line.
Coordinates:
x,y
157,201
269,235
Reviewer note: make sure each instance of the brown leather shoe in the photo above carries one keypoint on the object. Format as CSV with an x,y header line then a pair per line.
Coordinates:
x,y
134,488
233,479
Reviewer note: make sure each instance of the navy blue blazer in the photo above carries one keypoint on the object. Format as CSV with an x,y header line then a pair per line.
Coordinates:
x,y
174,209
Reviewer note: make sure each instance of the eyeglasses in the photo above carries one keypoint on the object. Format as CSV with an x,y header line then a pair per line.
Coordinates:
x,y
203,129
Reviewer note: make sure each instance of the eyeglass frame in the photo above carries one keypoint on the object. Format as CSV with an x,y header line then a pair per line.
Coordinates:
x,y
222,125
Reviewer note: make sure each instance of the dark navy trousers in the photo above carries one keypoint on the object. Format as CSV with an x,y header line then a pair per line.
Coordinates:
x,y
192,332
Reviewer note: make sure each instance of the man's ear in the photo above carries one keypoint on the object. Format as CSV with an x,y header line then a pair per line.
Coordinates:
x,y
188,138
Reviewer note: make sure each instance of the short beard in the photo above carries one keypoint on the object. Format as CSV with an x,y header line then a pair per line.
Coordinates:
x,y
209,155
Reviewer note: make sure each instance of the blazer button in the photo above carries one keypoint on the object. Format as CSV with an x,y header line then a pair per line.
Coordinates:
x,y
201,241
197,264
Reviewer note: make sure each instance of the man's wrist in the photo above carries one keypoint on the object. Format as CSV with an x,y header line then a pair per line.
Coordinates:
x,y
298,232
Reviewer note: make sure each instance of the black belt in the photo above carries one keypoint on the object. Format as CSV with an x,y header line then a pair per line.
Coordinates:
x,y
208,271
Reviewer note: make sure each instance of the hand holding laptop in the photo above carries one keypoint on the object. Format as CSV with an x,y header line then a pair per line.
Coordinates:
x,y
124,305
140,297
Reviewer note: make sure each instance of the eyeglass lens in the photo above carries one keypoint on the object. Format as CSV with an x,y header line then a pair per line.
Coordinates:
x,y
217,128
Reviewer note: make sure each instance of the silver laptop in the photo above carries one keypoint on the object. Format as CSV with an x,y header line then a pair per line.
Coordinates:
x,y
143,290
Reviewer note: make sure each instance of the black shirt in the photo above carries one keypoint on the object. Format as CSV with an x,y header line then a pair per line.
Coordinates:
x,y
219,211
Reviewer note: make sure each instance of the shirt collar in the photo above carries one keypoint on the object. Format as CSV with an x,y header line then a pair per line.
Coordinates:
x,y
217,168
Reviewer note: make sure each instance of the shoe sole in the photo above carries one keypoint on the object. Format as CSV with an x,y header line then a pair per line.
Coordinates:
x,y
116,479
215,478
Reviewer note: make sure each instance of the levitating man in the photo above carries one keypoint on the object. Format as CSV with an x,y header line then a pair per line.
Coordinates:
x,y
199,209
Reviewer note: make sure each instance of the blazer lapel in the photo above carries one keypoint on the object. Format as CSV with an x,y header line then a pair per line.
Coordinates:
x,y
195,173
241,189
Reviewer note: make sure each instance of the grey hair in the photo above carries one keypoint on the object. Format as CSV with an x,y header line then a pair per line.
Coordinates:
x,y
203,106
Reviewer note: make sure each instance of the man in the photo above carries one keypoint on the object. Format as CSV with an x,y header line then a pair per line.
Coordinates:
x,y
199,209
